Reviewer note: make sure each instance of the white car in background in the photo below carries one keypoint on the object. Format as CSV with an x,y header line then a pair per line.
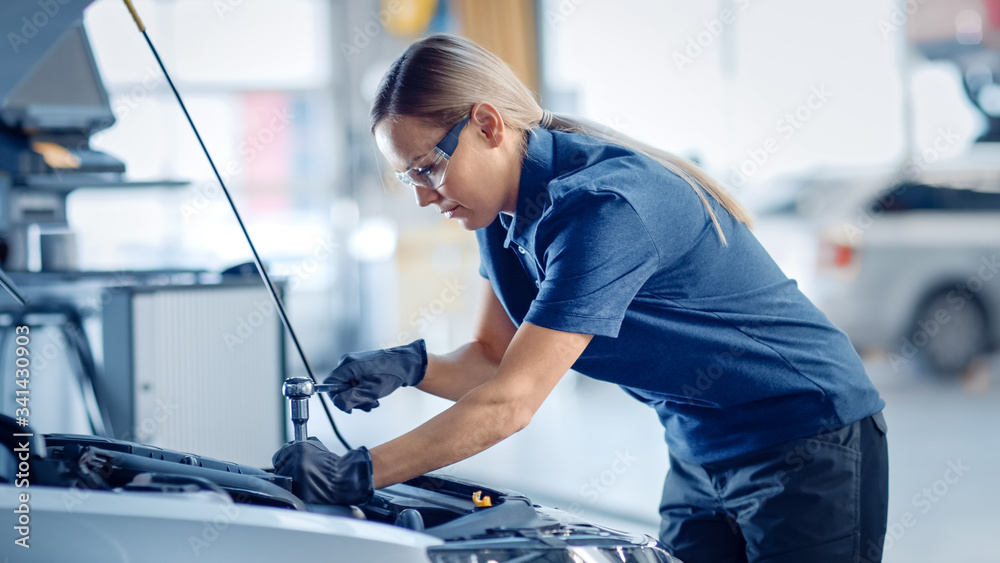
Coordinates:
x,y
907,263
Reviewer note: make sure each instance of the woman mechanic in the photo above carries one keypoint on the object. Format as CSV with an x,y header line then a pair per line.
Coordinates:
x,y
629,265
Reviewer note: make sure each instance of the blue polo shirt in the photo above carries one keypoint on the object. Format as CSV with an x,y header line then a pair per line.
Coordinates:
x,y
730,353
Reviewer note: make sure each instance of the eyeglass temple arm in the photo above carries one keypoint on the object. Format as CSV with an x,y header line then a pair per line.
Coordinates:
x,y
450,141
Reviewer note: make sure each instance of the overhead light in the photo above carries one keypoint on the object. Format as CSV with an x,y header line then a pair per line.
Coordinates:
x,y
373,241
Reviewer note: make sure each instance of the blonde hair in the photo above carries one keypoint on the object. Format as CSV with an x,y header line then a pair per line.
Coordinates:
x,y
441,76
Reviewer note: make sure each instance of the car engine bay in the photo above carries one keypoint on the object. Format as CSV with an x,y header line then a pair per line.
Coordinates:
x,y
443,507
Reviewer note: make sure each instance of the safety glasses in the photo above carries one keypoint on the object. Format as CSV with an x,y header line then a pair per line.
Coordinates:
x,y
432,175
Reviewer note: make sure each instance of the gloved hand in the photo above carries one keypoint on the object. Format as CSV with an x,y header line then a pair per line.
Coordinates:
x,y
320,476
363,378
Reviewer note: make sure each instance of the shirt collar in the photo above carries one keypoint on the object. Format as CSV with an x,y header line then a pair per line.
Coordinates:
x,y
537,169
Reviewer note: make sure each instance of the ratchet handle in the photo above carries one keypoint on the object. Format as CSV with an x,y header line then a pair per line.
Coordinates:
x,y
299,390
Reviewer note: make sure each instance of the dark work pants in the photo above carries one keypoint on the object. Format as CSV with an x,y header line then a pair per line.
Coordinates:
x,y
818,499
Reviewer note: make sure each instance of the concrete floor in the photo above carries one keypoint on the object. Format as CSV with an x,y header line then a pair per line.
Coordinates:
x,y
934,426
594,451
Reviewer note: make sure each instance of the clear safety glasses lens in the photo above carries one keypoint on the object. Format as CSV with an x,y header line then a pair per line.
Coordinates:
x,y
429,175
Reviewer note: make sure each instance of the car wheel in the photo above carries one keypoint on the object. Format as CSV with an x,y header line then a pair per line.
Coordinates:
x,y
950,335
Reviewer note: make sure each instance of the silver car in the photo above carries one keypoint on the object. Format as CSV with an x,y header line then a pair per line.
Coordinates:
x,y
906,262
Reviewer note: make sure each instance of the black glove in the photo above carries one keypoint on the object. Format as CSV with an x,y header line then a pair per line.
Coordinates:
x,y
362,379
320,476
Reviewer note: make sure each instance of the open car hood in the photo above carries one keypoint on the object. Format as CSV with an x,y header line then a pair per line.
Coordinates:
x,y
98,499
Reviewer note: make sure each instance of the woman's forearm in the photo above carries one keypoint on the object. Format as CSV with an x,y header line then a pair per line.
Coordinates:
x,y
478,420
453,375
503,404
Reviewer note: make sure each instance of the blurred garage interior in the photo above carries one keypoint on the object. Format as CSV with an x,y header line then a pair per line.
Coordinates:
x,y
863,135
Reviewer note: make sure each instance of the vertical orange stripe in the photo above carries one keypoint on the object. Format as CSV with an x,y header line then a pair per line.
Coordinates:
x,y
508,29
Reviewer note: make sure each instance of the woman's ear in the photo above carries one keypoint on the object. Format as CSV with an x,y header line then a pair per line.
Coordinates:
x,y
487,119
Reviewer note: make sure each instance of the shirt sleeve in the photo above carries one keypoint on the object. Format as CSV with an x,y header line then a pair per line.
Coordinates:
x,y
597,254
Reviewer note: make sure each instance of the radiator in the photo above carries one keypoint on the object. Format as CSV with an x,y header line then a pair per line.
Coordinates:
x,y
197,369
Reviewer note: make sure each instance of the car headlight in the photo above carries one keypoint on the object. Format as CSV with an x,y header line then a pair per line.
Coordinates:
x,y
570,554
